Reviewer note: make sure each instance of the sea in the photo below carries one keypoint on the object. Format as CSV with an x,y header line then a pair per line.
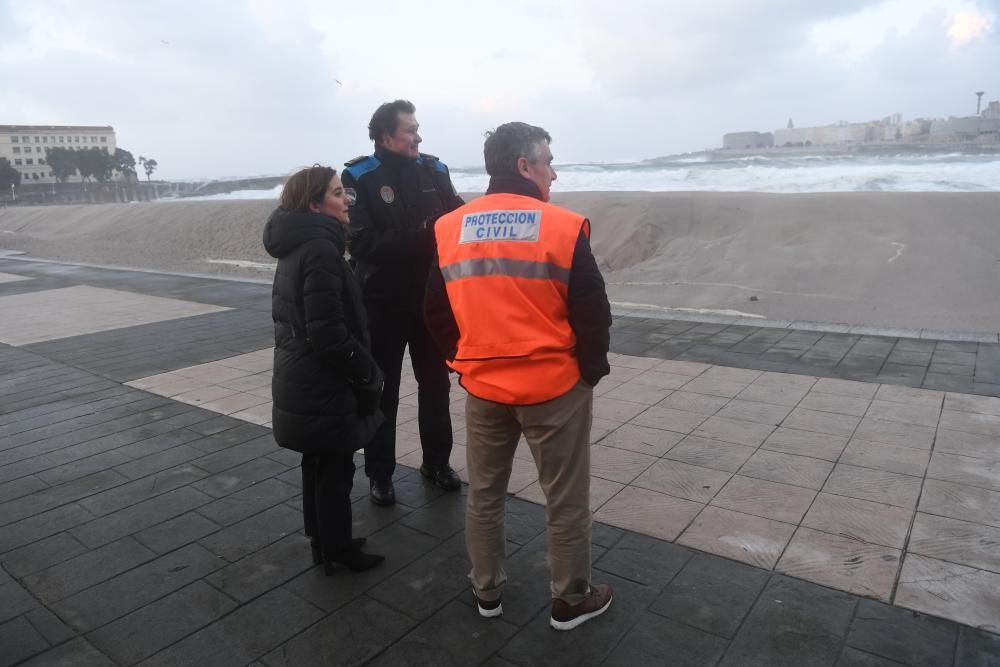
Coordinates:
x,y
952,172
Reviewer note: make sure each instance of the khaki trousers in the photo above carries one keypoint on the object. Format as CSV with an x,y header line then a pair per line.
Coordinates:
x,y
558,433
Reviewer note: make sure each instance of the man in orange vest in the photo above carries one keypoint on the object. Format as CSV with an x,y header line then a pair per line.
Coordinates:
x,y
518,304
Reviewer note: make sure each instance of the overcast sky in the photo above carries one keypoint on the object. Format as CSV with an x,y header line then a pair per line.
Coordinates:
x,y
214,89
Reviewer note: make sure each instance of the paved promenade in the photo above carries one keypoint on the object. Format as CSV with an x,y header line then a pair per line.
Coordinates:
x,y
763,495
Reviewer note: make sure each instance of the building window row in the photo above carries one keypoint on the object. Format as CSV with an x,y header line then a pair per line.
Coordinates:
x,y
27,149
36,175
62,139
18,161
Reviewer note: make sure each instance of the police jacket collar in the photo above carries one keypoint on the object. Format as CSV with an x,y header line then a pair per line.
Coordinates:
x,y
392,160
513,185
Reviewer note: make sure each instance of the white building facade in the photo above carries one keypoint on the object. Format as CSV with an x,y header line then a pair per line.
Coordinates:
x,y
24,146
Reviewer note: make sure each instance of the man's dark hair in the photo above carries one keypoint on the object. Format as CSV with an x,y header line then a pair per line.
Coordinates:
x,y
305,187
385,120
510,142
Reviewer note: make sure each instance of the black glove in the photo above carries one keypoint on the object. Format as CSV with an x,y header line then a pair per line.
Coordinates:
x,y
369,394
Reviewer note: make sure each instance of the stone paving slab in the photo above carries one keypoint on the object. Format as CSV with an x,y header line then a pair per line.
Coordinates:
x,y
967,364
160,594
730,479
70,311
139,528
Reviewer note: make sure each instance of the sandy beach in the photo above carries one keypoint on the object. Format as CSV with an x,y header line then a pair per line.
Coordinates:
x,y
901,260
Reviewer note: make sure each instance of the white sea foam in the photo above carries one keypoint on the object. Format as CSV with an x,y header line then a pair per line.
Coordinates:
x,y
771,173
273,193
945,173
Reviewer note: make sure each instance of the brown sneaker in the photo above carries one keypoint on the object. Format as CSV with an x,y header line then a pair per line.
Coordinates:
x,y
565,617
488,609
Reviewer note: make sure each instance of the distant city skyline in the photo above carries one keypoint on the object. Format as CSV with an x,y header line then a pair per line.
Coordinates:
x,y
258,87
977,131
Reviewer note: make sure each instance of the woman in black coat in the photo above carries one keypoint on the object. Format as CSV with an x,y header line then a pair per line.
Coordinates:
x,y
326,386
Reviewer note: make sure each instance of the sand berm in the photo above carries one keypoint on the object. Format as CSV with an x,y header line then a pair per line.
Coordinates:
x,y
901,260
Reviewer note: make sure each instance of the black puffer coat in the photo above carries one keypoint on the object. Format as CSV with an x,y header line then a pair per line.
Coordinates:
x,y
321,341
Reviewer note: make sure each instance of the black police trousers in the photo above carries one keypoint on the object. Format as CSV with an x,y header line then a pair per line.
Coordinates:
x,y
391,331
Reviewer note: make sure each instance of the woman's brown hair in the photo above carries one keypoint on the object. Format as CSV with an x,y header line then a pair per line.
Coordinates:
x,y
304,187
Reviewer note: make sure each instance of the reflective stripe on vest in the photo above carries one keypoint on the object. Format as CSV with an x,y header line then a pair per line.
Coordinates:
x,y
499,266
508,294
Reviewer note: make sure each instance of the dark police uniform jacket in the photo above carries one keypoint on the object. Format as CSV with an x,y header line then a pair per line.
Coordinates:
x,y
391,239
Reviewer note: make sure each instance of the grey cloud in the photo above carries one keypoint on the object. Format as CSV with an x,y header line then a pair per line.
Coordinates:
x,y
222,99
212,101
657,47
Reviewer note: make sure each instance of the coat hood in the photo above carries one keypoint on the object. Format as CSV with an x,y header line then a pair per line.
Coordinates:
x,y
287,230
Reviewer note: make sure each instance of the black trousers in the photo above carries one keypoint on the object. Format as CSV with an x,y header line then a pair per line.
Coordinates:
x,y
391,331
327,479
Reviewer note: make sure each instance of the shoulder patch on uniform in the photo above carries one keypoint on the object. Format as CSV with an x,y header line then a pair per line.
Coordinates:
x,y
362,165
435,161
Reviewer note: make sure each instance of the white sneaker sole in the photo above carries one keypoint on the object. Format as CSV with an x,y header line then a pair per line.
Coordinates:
x,y
490,613
579,620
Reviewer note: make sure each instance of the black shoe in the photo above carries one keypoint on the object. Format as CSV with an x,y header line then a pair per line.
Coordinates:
x,y
317,554
442,476
355,561
382,492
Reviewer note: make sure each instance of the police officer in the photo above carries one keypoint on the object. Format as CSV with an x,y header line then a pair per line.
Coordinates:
x,y
529,361
400,194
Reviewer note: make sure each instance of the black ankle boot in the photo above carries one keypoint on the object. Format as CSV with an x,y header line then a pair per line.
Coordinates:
x,y
317,553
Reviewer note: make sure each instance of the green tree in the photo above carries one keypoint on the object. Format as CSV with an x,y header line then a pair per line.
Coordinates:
x,y
62,161
8,176
149,166
84,165
95,163
124,163
104,164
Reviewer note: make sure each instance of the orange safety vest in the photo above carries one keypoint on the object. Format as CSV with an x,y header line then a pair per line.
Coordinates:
x,y
506,261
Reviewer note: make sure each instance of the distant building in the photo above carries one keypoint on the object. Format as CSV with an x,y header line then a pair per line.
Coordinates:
x,y
743,140
24,146
970,129
914,129
825,135
983,129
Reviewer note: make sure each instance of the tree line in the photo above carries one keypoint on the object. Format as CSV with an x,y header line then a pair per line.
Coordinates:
x,y
93,164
